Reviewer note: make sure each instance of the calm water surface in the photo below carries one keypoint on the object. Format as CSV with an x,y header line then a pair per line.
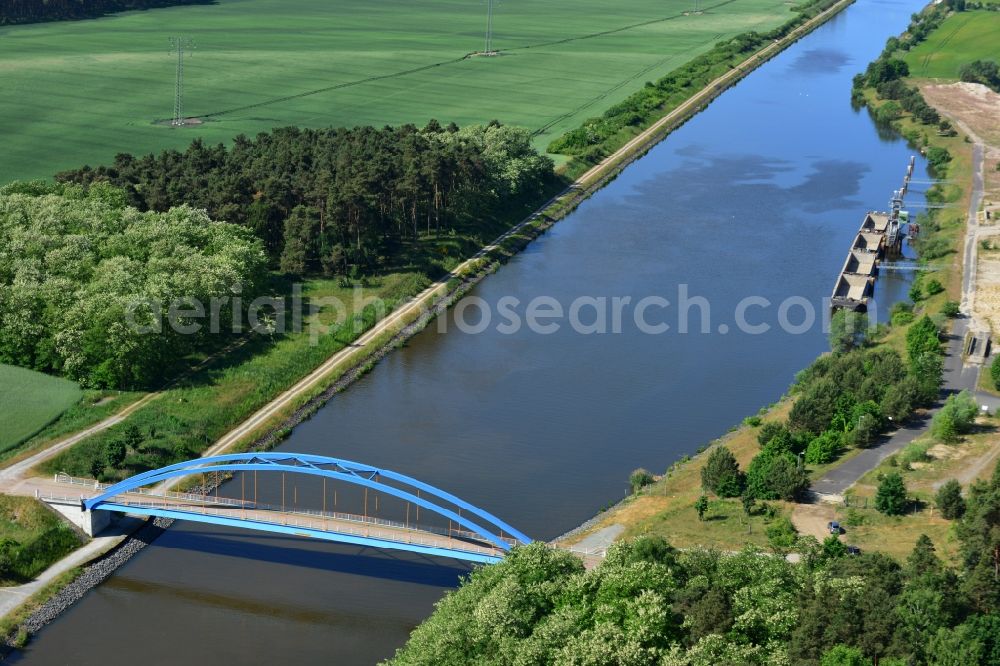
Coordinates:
x,y
758,196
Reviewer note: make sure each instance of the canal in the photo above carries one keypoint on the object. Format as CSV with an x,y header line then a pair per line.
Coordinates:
x,y
757,197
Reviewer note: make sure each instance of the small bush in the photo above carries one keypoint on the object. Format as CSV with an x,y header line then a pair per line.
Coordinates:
x,y
891,496
901,313
639,479
782,535
824,449
956,418
950,309
995,371
721,473
933,287
949,500
912,453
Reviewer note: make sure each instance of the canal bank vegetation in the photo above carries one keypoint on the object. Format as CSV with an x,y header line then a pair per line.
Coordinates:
x,y
649,603
32,538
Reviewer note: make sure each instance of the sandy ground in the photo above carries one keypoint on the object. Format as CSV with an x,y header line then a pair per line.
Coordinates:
x,y
811,519
976,110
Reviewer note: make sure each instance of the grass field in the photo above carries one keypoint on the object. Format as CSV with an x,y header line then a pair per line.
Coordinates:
x,y
33,537
962,38
30,401
78,92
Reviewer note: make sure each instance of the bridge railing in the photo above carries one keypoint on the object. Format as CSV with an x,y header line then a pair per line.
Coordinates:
x,y
204,500
409,536
235,503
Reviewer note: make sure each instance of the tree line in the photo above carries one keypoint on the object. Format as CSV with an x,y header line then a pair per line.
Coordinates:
x,y
339,200
75,263
648,603
843,400
38,11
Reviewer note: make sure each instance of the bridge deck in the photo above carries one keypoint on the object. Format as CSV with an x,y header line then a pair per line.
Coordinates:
x,y
298,522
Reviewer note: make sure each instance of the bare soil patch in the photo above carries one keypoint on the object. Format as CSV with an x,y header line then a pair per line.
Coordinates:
x,y
974,104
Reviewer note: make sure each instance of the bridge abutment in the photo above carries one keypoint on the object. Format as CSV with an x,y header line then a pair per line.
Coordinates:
x,y
91,523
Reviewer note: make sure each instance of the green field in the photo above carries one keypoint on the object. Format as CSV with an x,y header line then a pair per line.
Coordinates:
x,y
962,38
32,538
29,401
78,92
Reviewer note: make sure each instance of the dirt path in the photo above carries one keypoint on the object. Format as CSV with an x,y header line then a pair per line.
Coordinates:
x,y
19,469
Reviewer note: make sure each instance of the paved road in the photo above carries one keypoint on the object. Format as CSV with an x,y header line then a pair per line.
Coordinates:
x,y
958,376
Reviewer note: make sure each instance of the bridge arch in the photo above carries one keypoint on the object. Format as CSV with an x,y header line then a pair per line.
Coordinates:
x,y
479,522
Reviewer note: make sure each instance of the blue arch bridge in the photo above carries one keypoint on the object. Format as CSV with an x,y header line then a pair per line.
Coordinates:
x,y
471,534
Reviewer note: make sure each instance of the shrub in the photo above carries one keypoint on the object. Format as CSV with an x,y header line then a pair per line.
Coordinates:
x,y
782,535
890,498
701,506
950,309
955,418
933,287
833,547
995,371
844,655
915,452
888,112
824,449
721,473
114,453
771,430
949,500
938,158
775,475
639,479
901,313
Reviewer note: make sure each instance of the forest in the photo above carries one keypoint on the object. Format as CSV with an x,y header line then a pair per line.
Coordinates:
x,y
38,11
74,263
648,603
340,200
